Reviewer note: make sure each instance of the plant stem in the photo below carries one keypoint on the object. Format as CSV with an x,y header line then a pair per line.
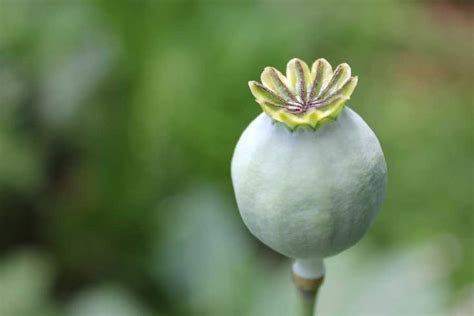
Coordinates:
x,y
308,302
308,289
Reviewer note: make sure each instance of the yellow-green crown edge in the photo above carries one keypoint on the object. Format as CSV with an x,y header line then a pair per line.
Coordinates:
x,y
305,97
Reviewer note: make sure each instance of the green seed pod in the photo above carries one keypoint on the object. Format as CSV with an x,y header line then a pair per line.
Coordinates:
x,y
309,174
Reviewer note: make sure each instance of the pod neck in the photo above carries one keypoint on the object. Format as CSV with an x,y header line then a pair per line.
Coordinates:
x,y
312,268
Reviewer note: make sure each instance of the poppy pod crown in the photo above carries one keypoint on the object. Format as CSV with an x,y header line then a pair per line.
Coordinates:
x,y
305,97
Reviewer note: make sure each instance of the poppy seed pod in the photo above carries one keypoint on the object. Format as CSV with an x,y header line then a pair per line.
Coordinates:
x,y
309,174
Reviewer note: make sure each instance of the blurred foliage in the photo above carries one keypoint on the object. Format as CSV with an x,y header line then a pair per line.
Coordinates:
x,y
118,121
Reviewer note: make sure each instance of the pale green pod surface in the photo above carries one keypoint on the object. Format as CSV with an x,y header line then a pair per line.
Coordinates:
x,y
309,174
309,193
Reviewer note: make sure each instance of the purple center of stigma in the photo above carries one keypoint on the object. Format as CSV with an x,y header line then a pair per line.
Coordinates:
x,y
302,106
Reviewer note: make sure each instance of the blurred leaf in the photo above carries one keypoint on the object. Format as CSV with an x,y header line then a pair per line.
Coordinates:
x,y
106,300
25,282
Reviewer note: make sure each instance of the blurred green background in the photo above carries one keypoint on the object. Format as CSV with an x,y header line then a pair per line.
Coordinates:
x,y
117,124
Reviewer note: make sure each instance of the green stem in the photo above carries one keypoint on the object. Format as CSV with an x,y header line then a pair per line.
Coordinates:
x,y
308,302
308,289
